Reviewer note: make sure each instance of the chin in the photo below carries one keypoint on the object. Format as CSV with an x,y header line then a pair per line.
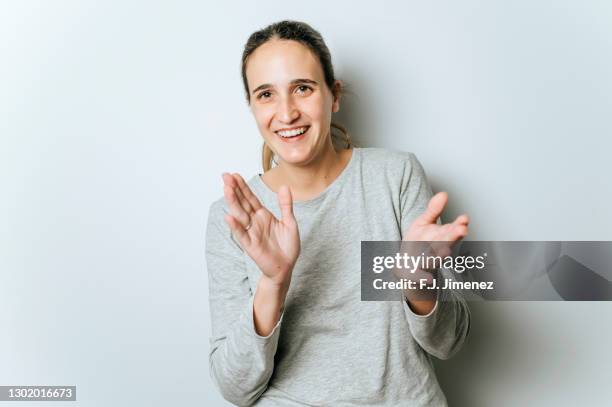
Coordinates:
x,y
295,156
300,150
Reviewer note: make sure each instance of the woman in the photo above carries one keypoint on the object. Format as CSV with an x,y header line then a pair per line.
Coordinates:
x,y
283,251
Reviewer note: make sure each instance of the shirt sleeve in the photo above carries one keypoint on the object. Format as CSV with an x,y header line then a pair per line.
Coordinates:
x,y
443,331
241,361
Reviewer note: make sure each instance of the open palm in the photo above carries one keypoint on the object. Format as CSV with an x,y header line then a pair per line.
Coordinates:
x,y
425,228
273,244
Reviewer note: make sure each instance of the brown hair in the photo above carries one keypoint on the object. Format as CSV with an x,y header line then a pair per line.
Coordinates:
x,y
308,36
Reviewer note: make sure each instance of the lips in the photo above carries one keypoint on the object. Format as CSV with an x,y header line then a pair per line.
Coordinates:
x,y
294,134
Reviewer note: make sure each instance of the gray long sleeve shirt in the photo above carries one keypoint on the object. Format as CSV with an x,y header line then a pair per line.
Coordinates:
x,y
329,347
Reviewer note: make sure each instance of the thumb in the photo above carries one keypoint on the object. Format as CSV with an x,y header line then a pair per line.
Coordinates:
x,y
434,208
285,201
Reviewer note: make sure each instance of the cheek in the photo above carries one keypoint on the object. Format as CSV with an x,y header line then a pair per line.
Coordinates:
x,y
316,109
263,116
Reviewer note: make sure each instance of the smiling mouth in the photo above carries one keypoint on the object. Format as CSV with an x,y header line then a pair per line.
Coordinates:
x,y
292,134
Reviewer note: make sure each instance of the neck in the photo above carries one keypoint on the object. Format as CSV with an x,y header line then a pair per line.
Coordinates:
x,y
310,180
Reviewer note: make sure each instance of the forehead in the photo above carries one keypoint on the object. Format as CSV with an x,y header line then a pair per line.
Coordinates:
x,y
280,61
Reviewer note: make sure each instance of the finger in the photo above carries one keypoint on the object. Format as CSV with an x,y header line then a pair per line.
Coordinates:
x,y
285,201
462,220
238,230
435,207
461,232
230,180
236,210
247,193
244,202
454,232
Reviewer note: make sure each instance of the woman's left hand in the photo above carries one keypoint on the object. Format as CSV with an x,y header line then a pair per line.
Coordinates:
x,y
425,229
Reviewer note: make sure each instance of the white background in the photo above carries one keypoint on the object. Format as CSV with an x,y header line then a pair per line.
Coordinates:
x,y
117,119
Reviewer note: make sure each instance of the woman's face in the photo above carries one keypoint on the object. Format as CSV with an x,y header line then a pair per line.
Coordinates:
x,y
288,94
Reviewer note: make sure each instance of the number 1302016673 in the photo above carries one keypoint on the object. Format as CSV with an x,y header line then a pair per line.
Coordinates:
x,y
37,393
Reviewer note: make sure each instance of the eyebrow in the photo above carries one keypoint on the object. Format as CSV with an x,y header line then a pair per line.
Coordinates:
x,y
293,82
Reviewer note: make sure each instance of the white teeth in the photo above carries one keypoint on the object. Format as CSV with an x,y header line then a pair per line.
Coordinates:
x,y
292,133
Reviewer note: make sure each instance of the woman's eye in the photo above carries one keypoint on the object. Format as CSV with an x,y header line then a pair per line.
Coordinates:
x,y
303,88
264,95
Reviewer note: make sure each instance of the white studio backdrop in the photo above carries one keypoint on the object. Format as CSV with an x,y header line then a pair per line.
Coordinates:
x,y
117,119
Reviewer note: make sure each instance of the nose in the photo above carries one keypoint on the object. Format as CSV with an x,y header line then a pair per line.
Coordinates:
x,y
287,112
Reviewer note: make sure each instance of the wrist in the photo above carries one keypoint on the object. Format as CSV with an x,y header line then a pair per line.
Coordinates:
x,y
275,285
268,304
274,291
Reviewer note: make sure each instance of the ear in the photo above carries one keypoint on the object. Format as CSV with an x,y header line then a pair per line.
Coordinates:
x,y
337,93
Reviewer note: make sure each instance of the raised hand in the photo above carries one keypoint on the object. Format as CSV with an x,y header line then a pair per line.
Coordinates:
x,y
274,245
425,228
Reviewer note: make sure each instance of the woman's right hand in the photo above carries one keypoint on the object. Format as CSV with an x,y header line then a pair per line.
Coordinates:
x,y
274,245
